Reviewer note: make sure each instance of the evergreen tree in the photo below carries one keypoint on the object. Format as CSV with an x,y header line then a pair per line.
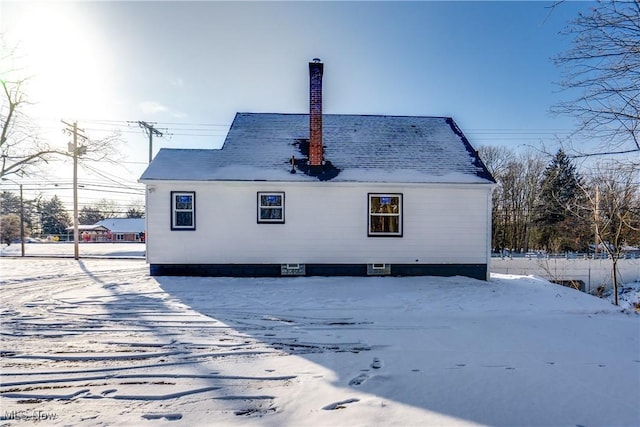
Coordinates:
x,y
559,227
90,215
9,203
54,218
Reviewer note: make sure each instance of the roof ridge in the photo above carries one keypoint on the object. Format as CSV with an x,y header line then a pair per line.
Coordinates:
x,y
344,115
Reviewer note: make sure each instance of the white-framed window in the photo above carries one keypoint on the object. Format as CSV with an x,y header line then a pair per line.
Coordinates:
x,y
385,215
119,236
271,207
183,210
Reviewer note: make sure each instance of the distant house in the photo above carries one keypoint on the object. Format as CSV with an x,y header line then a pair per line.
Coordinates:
x,y
113,230
124,229
315,194
89,233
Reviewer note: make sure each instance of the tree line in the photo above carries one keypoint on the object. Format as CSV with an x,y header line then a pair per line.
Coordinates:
x,y
548,205
49,217
553,207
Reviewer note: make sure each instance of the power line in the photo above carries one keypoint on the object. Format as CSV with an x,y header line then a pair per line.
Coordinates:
x,y
193,124
608,153
103,175
129,122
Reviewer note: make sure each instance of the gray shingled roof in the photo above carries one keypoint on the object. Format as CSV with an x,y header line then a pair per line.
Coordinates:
x,y
357,148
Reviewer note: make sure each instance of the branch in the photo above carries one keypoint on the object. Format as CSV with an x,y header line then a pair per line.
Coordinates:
x,y
20,164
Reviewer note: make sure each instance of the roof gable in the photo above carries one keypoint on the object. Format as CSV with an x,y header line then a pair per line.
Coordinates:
x,y
357,148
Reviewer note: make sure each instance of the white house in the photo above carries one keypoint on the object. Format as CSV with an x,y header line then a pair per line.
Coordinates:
x,y
322,194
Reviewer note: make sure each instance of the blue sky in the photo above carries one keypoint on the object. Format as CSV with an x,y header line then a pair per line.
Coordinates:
x,y
190,66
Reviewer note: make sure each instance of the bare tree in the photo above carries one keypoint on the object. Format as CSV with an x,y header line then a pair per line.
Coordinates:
x,y
496,158
614,209
109,208
603,68
20,147
518,179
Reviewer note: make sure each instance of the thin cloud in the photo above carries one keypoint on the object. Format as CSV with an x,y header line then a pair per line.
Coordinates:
x,y
152,107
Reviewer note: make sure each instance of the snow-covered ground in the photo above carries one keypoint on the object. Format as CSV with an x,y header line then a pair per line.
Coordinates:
x,y
592,272
100,342
66,249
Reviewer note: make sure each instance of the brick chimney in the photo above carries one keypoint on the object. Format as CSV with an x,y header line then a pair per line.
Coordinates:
x,y
315,112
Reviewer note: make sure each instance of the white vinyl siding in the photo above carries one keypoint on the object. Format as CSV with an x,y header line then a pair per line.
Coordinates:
x,y
325,223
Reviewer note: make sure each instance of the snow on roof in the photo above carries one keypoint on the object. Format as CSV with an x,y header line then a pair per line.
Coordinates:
x,y
123,225
95,227
357,148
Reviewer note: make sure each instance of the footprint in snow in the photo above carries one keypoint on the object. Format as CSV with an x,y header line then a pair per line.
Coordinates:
x,y
375,364
340,405
168,417
359,380
254,412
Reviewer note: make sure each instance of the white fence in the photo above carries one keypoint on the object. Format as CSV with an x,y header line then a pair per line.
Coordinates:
x,y
592,272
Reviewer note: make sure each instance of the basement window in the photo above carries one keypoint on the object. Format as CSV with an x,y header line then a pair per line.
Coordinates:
x,y
271,208
183,210
385,215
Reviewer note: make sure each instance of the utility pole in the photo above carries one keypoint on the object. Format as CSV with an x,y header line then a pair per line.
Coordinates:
x,y
77,151
21,215
21,223
150,130
596,221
